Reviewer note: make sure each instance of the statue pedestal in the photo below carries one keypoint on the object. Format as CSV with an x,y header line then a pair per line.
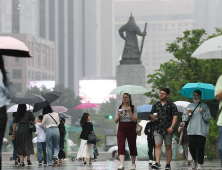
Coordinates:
x,y
133,74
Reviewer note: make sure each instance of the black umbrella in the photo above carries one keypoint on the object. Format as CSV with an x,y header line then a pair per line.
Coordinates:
x,y
50,97
27,99
63,115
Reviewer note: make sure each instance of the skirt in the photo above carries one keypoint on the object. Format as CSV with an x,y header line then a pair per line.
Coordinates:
x,y
85,150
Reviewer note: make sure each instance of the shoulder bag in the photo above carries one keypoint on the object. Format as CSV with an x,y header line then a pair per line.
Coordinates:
x,y
32,127
60,129
92,139
188,121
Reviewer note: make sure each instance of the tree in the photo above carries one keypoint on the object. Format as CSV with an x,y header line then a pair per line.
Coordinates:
x,y
175,74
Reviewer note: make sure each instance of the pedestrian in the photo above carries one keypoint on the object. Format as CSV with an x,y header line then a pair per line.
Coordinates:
x,y
182,129
167,114
197,117
41,141
95,153
66,144
62,130
126,116
23,135
85,150
15,153
149,131
218,95
3,103
51,121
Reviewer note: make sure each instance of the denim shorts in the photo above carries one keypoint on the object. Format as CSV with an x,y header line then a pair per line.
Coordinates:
x,y
160,138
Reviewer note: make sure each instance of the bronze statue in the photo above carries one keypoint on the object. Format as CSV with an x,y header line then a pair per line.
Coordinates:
x,y
131,53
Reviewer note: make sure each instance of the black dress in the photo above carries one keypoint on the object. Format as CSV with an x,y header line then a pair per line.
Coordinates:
x,y
23,135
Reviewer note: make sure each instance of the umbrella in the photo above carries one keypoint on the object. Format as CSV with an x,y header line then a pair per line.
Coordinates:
x,y
63,115
87,105
70,143
50,97
13,47
131,89
207,90
144,112
27,99
59,109
181,105
115,148
15,107
210,49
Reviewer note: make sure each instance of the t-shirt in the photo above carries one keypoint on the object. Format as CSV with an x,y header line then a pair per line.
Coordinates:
x,y
40,132
165,118
218,89
125,116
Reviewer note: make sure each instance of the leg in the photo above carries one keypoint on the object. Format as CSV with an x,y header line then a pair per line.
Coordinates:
x,y
3,122
40,149
56,141
201,140
121,138
151,146
220,143
131,136
193,146
44,152
49,144
168,153
158,144
15,154
185,148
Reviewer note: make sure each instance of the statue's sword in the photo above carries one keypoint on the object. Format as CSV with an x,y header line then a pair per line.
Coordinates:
x,y
141,47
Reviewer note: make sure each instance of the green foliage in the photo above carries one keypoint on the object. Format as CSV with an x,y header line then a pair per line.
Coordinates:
x,y
211,141
185,69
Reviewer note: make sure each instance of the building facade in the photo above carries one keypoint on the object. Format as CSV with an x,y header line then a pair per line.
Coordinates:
x,y
38,68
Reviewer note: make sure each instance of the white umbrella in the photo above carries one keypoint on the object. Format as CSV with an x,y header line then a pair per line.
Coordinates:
x,y
210,49
5,140
143,124
181,105
115,148
131,89
34,140
70,143
15,107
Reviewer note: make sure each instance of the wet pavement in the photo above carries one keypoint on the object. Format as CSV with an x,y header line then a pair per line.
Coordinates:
x,y
109,165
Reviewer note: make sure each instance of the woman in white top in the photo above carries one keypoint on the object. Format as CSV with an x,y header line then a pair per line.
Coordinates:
x,y
51,121
3,103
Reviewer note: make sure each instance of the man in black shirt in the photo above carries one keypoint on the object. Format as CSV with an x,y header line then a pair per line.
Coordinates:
x,y
167,114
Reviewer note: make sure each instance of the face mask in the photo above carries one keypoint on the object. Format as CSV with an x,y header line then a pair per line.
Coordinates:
x,y
196,100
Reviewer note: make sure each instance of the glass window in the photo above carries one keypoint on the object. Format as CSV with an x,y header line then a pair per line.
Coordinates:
x,y
18,86
154,53
147,59
146,53
166,31
146,64
179,25
160,48
29,74
173,25
154,48
17,60
17,74
153,58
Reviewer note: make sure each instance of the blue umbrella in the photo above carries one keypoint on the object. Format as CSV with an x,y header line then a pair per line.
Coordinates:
x,y
63,115
144,112
207,90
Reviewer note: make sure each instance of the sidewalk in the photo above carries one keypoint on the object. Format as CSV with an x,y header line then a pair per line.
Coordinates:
x,y
110,165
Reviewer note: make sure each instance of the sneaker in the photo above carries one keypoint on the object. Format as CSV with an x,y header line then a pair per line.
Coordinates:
x,y
50,164
133,167
40,163
188,163
194,164
199,167
150,162
120,167
54,160
156,165
44,164
167,167
94,160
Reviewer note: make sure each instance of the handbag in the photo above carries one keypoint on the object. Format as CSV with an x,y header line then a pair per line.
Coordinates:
x,y
91,139
32,127
138,129
10,90
61,131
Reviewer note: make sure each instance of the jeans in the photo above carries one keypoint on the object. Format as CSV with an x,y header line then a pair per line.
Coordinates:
x,y
15,154
52,142
42,148
220,143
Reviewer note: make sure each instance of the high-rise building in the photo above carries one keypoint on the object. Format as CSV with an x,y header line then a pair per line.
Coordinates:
x,y
167,19
81,29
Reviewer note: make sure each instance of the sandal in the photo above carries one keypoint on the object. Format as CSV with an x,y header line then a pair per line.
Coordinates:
x,y
29,162
22,164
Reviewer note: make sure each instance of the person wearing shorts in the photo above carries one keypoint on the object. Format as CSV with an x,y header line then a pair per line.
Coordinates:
x,y
166,119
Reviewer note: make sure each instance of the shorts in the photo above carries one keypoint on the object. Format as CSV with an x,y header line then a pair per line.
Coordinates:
x,y
159,138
